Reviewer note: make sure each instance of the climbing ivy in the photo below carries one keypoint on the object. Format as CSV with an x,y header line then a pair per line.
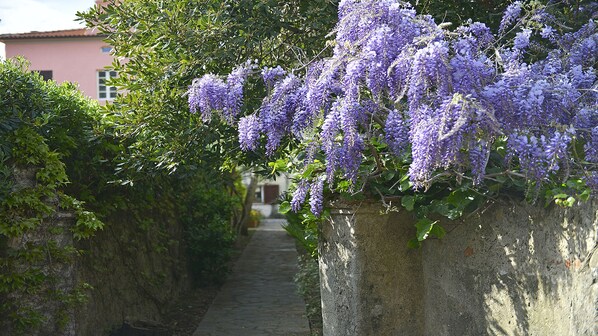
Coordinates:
x,y
33,178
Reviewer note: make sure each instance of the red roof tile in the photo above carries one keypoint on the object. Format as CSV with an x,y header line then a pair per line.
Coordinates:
x,y
82,32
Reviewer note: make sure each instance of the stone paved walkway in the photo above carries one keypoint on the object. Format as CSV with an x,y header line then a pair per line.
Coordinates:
x,y
260,297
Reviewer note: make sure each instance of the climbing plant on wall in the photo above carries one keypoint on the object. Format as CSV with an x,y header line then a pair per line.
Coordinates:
x,y
33,177
60,154
431,118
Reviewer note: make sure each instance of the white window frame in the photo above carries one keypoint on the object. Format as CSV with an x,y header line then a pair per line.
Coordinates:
x,y
108,91
259,194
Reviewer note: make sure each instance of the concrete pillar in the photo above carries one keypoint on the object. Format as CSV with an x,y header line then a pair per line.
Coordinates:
x,y
514,269
370,280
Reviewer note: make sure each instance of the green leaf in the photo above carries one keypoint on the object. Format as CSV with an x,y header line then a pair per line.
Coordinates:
x,y
309,170
278,165
344,185
585,195
284,207
408,202
424,226
437,231
459,199
388,175
440,207
577,183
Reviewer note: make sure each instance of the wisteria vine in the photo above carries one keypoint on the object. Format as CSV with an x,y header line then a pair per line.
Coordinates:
x,y
442,99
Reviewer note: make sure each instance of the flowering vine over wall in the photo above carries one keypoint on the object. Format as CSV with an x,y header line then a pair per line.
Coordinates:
x,y
463,103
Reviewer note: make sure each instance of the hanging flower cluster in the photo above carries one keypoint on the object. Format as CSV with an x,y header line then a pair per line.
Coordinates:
x,y
445,98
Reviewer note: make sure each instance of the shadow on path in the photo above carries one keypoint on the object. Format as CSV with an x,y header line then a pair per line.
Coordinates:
x,y
260,297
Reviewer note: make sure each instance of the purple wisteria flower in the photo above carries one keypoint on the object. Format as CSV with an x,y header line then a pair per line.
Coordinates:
x,y
424,151
299,195
309,108
511,15
522,39
591,179
330,129
210,94
591,147
396,132
429,73
207,94
249,132
316,197
447,98
320,83
277,111
548,32
272,75
381,49
556,149
234,97
530,154
479,154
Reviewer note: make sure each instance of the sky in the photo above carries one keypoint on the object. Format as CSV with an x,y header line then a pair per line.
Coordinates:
x,y
20,16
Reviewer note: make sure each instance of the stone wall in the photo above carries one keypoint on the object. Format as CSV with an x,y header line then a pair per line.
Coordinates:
x,y
53,234
513,269
136,272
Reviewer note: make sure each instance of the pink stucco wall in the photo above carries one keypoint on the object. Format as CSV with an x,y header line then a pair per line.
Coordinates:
x,y
70,59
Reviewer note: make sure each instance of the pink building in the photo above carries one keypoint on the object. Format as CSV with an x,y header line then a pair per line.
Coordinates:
x,y
75,55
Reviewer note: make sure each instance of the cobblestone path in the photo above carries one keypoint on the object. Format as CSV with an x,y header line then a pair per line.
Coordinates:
x,y
260,297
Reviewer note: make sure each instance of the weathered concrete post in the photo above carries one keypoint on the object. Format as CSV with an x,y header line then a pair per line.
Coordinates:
x,y
514,269
370,280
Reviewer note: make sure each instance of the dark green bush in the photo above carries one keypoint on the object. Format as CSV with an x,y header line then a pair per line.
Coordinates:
x,y
208,233
28,106
78,152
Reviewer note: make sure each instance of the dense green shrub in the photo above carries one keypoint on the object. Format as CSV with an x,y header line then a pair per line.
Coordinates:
x,y
77,153
208,233
28,108
177,40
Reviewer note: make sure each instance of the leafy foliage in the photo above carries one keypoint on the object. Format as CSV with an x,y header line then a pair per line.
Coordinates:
x,y
458,11
168,43
209,234
28,207
74,150
165,45
303,226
